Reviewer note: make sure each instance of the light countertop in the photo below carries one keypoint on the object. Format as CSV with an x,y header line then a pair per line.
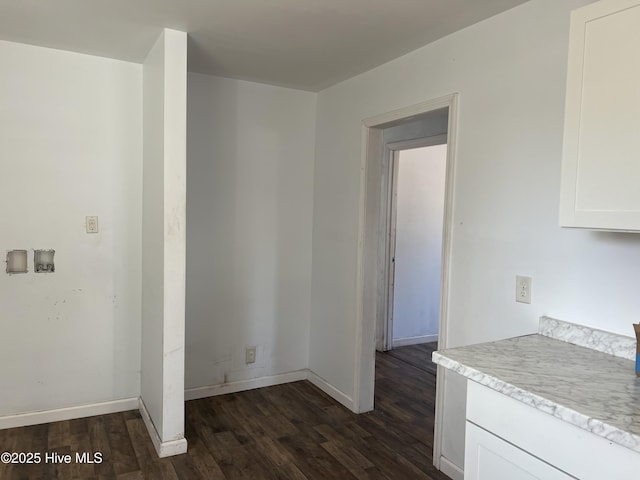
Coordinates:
x,y
595,391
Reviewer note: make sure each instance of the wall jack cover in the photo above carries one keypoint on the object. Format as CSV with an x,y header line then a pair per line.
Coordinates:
x,y
43,261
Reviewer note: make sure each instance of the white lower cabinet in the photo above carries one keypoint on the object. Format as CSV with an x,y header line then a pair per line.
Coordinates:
x,y
488,457
509,440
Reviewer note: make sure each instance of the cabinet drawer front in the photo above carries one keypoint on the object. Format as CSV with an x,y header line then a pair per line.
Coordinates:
x,y
567,447
488,457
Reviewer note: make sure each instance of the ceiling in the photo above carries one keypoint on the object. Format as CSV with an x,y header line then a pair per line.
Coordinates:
x,y
305,44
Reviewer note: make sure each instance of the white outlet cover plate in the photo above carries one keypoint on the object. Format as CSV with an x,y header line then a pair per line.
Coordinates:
x,y
523,289
91,224
250,355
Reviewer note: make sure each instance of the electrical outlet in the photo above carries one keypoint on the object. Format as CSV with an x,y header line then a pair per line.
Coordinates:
x,y
250,355
523,289
91,224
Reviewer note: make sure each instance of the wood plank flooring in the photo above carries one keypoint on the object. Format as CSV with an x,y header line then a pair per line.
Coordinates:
x,y
291,431
417,355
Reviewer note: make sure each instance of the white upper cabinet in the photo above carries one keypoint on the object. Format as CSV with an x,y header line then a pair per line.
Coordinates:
x,y
601,157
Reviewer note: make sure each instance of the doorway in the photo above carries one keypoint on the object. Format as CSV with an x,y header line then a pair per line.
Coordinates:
x,y
373,256
416,213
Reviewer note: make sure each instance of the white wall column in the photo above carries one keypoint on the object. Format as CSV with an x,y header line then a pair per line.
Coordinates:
x,y
163,242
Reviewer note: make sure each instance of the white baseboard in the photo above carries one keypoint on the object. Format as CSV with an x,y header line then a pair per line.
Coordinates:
x,y
174,447
68,413
242,385
451,470
403,342
332,391
163,449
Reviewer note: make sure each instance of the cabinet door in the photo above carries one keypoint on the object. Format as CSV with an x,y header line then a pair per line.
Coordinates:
x,y
601,155
488,457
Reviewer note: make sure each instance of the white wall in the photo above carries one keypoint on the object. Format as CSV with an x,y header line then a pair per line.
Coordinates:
x,y
418,255
510,72
70,135
249,208
163,236
153,234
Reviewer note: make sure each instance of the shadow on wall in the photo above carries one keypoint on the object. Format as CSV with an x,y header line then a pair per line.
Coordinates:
x,y
249,211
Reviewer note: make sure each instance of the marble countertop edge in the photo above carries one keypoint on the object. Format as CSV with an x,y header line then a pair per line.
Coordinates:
x,y
580,420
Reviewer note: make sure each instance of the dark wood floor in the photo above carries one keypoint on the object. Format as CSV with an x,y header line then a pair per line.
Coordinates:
x,y
418,356
291,431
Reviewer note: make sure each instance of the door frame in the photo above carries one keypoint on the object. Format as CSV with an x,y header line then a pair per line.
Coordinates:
x,y
388,212
369,286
